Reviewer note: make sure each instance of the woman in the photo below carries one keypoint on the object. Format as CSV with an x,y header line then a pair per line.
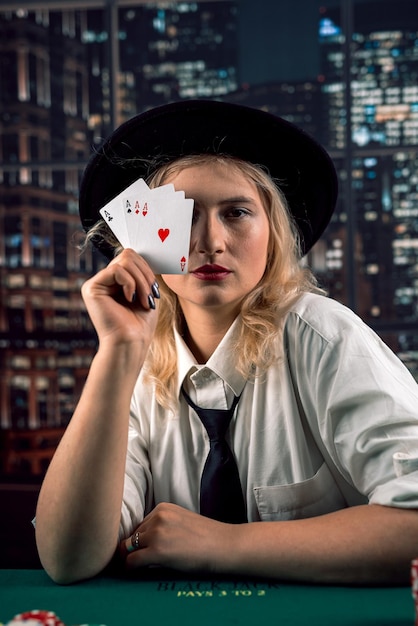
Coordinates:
x,y
324,429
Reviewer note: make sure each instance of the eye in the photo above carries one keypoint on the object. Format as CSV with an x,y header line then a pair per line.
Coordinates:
x,y
237,212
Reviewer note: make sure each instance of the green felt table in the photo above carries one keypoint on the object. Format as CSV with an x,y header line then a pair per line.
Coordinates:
x,y
167,599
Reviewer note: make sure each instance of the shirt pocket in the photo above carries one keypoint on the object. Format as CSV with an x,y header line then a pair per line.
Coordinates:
x,y
312,497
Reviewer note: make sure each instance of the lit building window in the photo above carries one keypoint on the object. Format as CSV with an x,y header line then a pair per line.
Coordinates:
x,y
23,74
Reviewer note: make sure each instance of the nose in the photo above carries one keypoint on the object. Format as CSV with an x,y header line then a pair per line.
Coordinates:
x,y
208,234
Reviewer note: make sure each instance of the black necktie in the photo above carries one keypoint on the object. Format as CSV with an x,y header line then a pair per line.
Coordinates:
x,y
220,488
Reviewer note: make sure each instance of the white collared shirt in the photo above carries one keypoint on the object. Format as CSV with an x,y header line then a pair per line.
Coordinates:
x,y
333,424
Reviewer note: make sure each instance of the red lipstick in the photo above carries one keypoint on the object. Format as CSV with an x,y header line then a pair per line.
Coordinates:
x,y
211,271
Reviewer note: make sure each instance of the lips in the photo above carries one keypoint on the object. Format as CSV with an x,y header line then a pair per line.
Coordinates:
x,y
211,272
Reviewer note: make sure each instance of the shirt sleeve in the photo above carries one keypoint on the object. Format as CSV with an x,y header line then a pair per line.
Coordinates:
x,y
137,493
361,403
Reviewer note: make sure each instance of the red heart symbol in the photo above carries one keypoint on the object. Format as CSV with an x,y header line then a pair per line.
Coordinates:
x,y
163,233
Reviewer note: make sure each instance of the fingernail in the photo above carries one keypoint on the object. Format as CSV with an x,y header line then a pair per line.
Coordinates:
x,y
155,290
133,297
151,302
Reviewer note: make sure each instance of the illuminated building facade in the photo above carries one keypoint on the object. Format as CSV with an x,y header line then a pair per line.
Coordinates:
x,y
297,102
167,51
383,152
191,50
56,100
46,339
368,255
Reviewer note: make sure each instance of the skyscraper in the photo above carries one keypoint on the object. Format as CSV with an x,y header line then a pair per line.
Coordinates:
x,y
167,51
368,255
57,73
382,130
46,339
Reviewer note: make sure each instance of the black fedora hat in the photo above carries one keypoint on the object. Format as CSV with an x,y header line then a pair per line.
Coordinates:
x,y
303,169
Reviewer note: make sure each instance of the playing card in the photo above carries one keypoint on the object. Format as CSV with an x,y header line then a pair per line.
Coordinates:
x,y
135,198
161,231
115,218
154,222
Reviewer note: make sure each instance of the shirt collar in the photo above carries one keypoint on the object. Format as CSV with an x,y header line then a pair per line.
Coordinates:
x,y
222,361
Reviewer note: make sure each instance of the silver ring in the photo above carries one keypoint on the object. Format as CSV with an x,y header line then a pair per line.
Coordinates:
x,y
134,545
135,541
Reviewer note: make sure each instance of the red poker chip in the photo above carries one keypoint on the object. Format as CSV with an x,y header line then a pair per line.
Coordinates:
x,y
414,578
46,618
414,586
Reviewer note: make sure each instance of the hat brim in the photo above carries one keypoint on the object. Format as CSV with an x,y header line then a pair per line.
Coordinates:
x,y
300,166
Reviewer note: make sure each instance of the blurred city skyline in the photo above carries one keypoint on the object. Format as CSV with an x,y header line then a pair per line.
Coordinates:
x,y
61,92
277,39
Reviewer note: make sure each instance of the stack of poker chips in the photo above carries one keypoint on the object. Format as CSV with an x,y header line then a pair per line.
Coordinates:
x,y
414,584
35,618
39,618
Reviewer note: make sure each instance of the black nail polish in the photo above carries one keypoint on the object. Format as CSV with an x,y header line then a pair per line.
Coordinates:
x,y
155,290
133,297
151,302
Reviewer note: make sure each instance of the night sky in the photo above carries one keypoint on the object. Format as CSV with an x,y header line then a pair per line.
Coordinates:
x,y
278,40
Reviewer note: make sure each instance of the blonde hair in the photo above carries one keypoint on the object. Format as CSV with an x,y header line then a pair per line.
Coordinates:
x,y
263,310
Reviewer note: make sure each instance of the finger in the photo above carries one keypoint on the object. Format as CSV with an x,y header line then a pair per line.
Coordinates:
x,y
126,281
133,543
129,545
144,557
136,553
129,257
145,290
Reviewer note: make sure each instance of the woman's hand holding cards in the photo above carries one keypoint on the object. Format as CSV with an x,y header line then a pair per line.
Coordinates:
x,y
121,300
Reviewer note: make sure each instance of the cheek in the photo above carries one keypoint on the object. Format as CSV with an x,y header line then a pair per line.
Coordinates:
x,y
255,247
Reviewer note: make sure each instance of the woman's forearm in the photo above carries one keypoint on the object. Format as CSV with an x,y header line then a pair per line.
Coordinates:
x,y
368,544
79,505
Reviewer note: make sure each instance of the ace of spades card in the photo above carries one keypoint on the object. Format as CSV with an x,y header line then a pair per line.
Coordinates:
x,y
156,223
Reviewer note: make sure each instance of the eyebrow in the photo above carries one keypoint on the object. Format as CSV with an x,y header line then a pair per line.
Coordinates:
x,y
233,200
236,199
